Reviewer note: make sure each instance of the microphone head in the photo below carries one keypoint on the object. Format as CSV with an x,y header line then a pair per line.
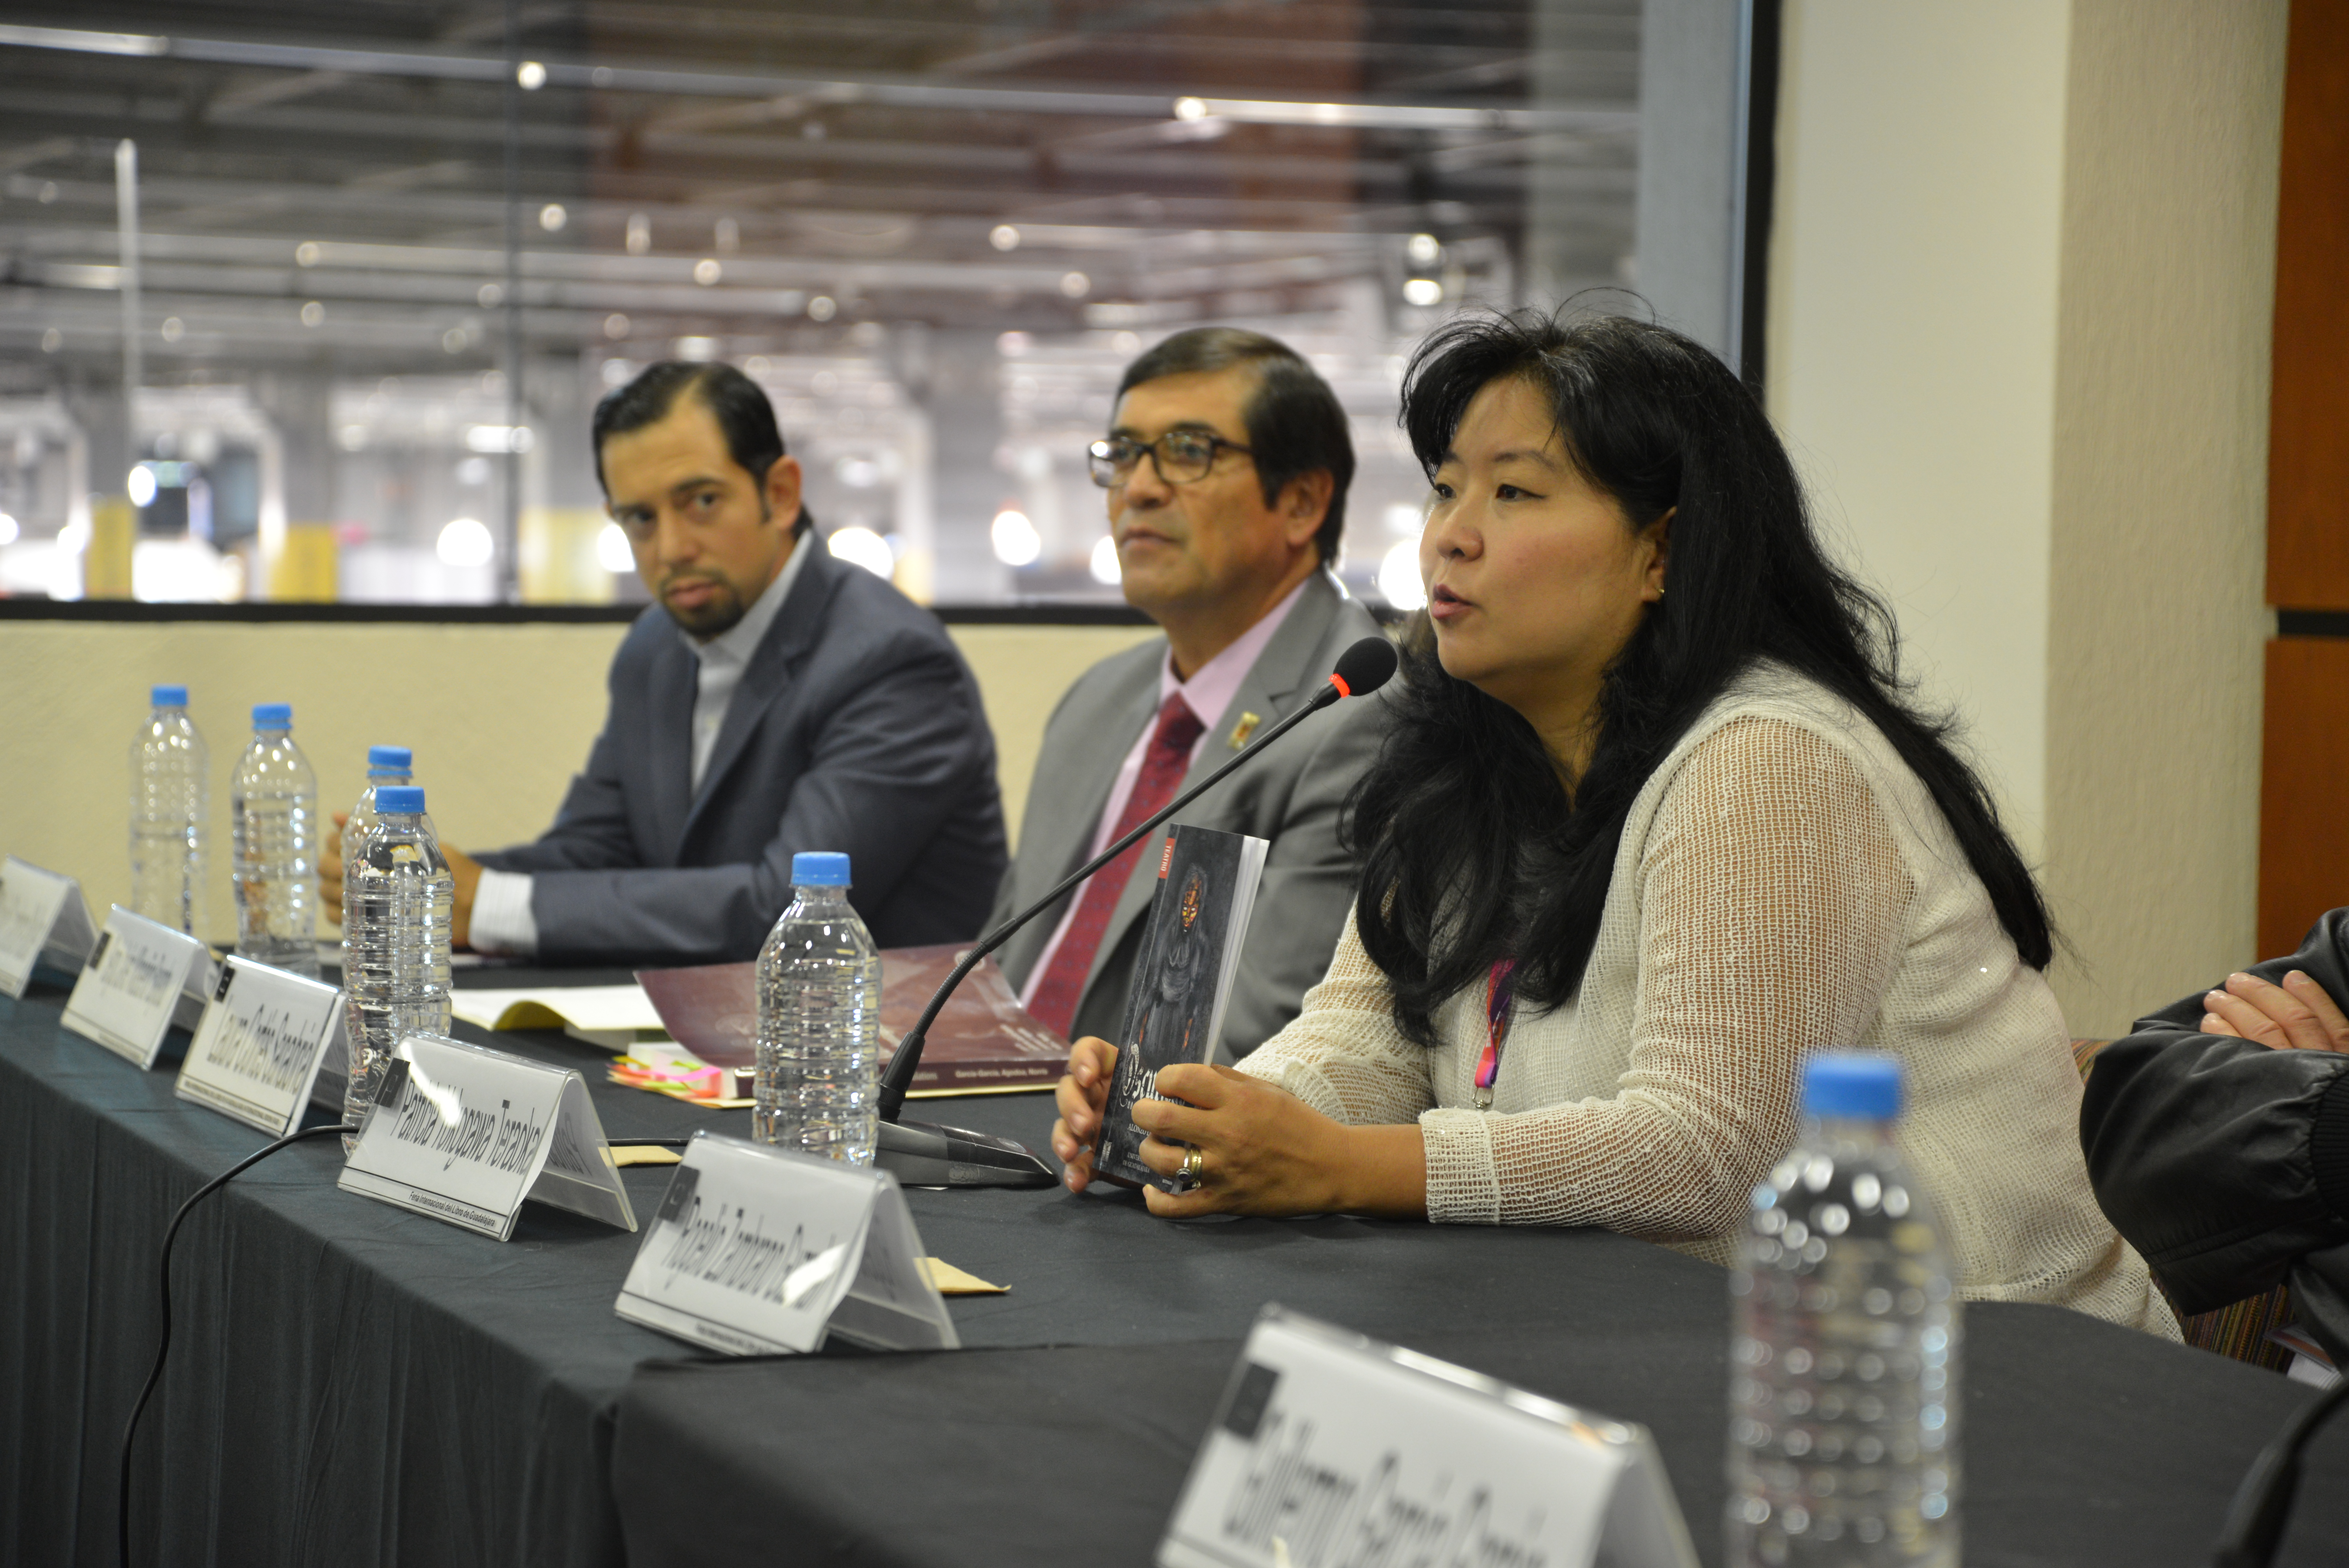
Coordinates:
x,y
1364,667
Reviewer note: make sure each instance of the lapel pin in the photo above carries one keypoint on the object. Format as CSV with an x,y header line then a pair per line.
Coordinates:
x,y
1243,729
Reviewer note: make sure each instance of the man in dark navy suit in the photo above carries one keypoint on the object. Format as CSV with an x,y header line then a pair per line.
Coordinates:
x,y
774,699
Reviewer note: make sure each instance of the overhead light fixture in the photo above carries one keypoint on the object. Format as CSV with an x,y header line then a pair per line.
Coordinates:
x,y
861,547
314,313
1003,237
616,326
1016,540
823,307
707,271
465,542
1190,108
530,76
612,550
552,217
1424,250
8,529
1105,563
1423,292
1076,285
498,438
140,484
1397,580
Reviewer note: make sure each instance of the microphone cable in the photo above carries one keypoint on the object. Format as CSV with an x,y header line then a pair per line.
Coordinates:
x,y
2262,1504
164,1345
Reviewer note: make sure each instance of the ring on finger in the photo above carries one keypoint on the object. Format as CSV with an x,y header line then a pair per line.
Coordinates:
x,y
1194,1165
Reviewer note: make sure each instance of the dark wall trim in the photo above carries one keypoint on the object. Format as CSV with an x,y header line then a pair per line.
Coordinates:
x,y
504,614
2312,623
1760,186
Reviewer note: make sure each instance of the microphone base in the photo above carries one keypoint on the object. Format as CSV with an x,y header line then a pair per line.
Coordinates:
x,y
920,1154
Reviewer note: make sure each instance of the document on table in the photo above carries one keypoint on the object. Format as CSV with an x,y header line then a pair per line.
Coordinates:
x,y
614,1016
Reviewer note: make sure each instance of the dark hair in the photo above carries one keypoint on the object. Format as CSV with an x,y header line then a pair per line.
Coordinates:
x,y
1472,849
743,414
1295,423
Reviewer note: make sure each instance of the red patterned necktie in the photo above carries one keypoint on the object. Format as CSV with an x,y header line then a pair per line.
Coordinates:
x,y
1163,767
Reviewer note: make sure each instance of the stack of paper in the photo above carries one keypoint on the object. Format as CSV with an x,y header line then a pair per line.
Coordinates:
x,y
612,1016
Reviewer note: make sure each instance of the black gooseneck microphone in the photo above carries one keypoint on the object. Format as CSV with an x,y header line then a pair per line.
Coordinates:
x,y
922,1155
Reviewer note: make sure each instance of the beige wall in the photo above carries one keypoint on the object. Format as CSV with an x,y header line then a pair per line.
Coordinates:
x,y
1911,351
2159,565
2021,274
499,716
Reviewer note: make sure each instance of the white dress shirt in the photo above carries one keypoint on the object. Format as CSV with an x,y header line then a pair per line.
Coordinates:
x,y
502,920
1208,693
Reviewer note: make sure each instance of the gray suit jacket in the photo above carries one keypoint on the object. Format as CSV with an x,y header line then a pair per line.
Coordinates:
x,y
856,726
1292,795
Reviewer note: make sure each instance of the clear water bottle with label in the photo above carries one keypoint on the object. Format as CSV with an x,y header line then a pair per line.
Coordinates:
x,y
396,899
274,820
171,808
1844,1353
386,764
818,1021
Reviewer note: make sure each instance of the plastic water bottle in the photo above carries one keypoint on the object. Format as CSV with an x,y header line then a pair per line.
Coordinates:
x,y
171,797
818,1021
386,764
1844,1357
274,812
396,899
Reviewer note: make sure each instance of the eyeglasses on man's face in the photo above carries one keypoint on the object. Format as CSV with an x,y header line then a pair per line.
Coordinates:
x,y
1180,457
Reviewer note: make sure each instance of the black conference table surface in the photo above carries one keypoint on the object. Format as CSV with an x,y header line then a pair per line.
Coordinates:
x,y
356,1384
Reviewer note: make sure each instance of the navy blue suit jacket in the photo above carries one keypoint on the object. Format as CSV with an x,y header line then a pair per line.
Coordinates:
x,y
857,726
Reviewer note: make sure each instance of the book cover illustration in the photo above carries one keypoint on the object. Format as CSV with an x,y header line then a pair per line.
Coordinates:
x,y
983,1041
1191,944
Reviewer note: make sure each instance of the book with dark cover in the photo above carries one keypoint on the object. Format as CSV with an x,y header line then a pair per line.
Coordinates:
x,y
1182,979
982,1042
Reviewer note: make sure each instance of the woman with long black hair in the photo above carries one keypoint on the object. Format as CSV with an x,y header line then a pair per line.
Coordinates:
x,y
1656,816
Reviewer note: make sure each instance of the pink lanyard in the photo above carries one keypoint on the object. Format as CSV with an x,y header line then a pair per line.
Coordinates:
x,y
1500,993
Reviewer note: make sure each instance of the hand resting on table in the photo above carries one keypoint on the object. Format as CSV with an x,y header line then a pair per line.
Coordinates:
x,y
1263,1150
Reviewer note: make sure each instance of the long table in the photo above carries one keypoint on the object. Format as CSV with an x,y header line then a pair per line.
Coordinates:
x,y
352,1383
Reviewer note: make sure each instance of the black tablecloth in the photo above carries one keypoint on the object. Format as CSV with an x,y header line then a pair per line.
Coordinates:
x,y
356,1384
2085,1445
348,1382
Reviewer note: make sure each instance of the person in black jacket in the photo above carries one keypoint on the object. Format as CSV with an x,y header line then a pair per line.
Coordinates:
x,y
2217,1135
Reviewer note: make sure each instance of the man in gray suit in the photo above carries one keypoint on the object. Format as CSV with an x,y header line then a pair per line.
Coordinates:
x,y
1227,465
775,699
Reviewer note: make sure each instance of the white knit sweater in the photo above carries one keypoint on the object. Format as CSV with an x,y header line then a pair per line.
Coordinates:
x,y
1784,882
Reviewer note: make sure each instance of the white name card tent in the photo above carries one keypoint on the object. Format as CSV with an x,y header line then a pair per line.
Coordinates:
x,y
259,1046
757,1250
42,915
464,1133
141,978
1331,1449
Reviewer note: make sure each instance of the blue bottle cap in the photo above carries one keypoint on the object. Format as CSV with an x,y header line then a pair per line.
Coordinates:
x,y
273,715
391,760
394,800
818,868
1860,1085
169,697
